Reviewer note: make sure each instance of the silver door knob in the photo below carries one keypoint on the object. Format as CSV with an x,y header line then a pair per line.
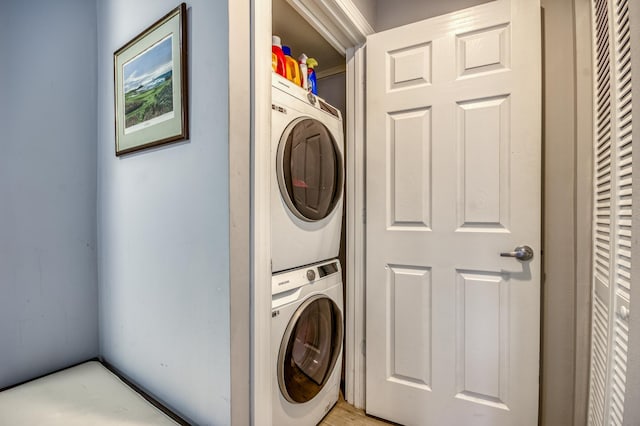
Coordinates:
x,y
520,253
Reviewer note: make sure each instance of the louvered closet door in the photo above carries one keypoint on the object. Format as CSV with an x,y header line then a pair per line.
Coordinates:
x,y
612,212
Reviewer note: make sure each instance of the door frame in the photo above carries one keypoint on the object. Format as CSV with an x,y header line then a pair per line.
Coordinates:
x,y
343,26
583,140
260,222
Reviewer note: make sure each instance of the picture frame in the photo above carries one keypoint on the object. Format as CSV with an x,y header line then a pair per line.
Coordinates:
x,y
151,85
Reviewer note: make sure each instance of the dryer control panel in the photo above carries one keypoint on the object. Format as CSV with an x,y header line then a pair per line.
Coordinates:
x,y
282,84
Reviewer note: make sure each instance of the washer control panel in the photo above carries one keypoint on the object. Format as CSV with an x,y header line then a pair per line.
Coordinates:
x,y
291,280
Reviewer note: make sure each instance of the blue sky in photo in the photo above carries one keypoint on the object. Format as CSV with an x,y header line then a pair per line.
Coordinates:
x,y
149,65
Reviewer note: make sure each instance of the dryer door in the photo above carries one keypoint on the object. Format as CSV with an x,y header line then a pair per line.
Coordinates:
x,y
309,169
309,349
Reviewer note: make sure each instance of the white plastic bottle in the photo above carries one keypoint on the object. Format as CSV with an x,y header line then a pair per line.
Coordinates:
x,y
303,71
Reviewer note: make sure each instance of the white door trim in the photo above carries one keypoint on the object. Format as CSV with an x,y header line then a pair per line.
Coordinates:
x,y
240,212
338,21
583,208
260,310
355,235
631,407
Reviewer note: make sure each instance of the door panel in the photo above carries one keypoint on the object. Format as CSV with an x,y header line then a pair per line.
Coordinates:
x,y
483,164
409,292
410,163
483,339
453,180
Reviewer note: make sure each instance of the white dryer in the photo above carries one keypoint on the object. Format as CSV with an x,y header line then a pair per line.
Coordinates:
x,y
307,142
306,346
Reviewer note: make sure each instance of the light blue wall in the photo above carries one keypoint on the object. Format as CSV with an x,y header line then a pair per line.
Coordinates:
x,y
48,275
163,218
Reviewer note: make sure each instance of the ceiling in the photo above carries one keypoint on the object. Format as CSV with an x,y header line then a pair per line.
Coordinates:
x,y
301,37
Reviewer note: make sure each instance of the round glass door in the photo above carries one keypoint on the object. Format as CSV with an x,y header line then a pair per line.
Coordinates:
x,y
309,170
309,349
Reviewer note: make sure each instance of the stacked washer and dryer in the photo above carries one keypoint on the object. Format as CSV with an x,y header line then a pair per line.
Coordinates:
x,y
306,218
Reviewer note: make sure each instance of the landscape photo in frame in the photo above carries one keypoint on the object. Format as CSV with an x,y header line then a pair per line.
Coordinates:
x,y
151,86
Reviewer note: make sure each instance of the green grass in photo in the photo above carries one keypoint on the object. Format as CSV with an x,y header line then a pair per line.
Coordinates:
x,y
143,106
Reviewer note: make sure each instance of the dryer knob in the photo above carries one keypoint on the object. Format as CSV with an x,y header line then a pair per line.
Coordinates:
x,y
311,97
311,275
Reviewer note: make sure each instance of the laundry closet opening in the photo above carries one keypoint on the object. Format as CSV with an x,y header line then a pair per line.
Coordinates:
x,y
307,214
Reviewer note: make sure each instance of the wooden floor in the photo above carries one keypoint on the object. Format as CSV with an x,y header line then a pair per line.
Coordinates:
x,y
344,414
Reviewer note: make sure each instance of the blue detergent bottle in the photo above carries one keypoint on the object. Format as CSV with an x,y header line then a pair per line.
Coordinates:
x,y
311,64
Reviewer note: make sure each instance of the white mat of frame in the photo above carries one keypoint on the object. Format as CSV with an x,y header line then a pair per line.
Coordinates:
x,y
88,394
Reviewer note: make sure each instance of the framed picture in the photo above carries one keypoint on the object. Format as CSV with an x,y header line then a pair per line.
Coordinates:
x,y
151,85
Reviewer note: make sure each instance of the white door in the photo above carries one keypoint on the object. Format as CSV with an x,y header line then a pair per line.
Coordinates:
x,y
612,215
454,179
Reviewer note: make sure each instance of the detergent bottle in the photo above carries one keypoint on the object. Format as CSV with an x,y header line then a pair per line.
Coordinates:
x,y
291,66
311,64
304,74
277,56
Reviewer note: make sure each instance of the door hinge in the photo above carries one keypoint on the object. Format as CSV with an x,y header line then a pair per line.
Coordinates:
x,y
364,216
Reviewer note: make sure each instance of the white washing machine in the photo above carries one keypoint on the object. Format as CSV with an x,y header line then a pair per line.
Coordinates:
x,y
306,346
307,142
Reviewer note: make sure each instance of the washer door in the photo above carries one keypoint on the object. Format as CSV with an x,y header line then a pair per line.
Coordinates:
x,y
309,169
309,349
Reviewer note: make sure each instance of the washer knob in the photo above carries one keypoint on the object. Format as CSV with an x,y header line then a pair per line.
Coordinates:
x,y
311,274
